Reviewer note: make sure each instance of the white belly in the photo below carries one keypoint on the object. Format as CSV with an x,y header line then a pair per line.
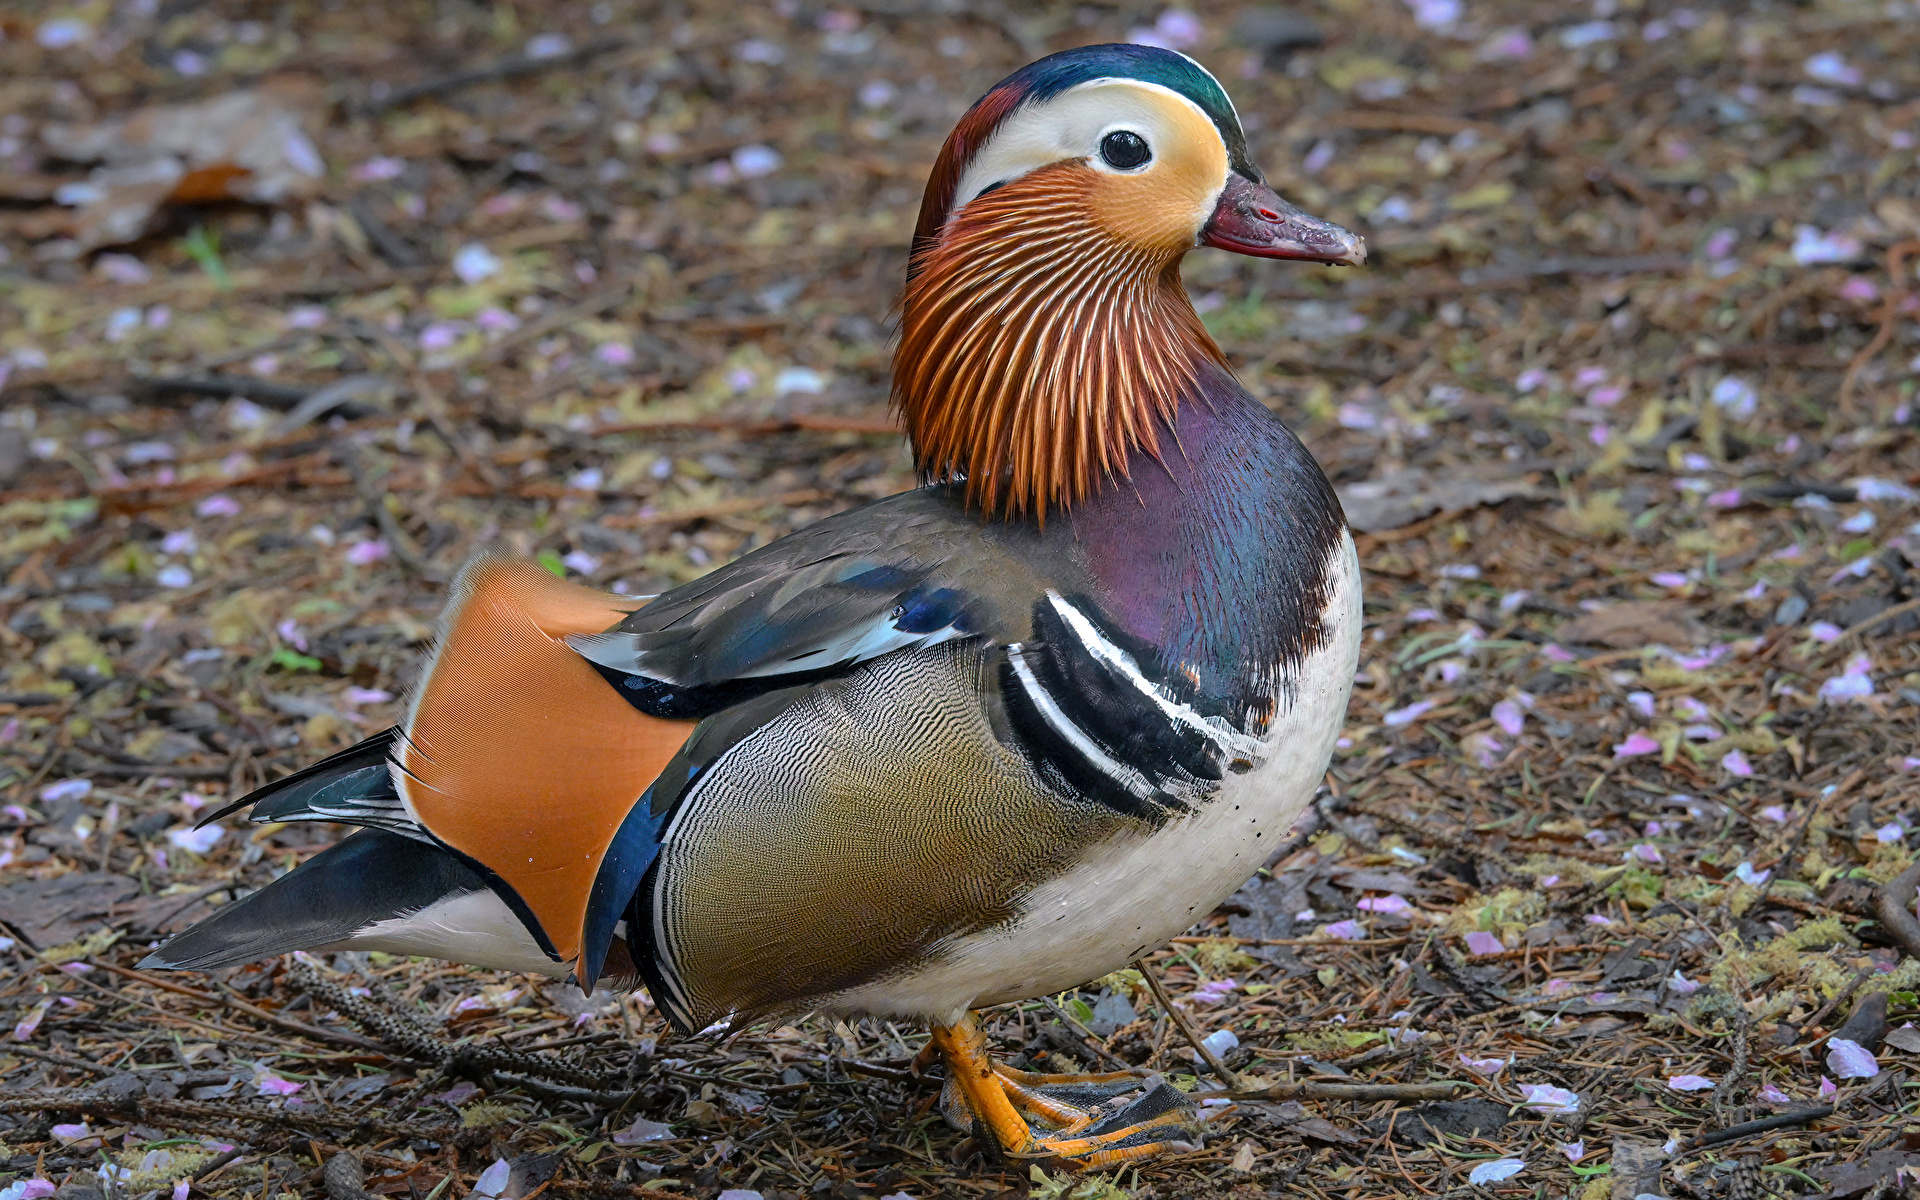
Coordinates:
x,y
1127,899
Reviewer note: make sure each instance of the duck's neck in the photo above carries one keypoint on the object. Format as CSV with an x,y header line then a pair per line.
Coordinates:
x,y
1220,558
1038,351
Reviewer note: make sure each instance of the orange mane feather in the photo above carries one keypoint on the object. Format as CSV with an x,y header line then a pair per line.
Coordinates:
x,y
1037,350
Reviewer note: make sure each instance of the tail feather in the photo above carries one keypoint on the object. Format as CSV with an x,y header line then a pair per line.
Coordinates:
x,y
344,891
520,769
296,788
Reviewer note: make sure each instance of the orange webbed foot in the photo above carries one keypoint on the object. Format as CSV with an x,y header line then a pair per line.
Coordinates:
x,y
1089,1122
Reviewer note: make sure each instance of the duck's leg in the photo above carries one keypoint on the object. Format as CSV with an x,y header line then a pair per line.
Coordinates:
x,y
1077,1125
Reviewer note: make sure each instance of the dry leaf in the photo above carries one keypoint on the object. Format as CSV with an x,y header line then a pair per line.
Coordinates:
x,y
1635,623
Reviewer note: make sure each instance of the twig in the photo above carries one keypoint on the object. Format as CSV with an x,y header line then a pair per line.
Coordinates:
x,y
1186,1026
1577,265
291,1026
810,422
723,508
82,765
432,405
556,1091
1336,1091
1894,907
160,923
1840,997
217,1165
1859,628
1748,1128
1105,1055
585,309
159,1112
400,1031
61,1060
245,387
1800,835
1541,1002
1723,1094
511,67
402,542
1889,316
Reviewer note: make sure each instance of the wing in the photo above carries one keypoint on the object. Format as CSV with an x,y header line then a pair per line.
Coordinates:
x,y
353,787
842,592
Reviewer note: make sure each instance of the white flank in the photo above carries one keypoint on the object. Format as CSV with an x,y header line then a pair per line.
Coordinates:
x,y
474,927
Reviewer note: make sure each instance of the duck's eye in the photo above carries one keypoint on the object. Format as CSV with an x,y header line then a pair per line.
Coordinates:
x,y
1124,150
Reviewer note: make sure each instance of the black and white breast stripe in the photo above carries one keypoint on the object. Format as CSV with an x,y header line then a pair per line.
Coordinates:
x,y
1098,728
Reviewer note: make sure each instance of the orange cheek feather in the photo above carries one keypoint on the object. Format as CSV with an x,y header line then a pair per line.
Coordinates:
x,y
519,755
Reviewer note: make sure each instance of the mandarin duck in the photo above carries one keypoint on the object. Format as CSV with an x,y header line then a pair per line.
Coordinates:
x,y
973,743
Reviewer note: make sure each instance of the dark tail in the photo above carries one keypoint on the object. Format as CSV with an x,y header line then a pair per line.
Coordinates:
x,y
370,877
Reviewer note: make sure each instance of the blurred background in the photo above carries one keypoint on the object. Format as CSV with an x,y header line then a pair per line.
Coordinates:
x,y
300,304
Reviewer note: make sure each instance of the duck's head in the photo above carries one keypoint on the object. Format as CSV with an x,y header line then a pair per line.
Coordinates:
x,y
1044,331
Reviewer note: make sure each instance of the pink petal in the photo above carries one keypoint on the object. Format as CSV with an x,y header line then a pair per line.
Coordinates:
x,y
1495,1171
1407,715
1736,764
1482,942
25,1029
643,1130
1545,1098
1850,1060
1488,1067
1635,745
1773,1095
1509,717
361,554
1690,1083
493,1180
1384,904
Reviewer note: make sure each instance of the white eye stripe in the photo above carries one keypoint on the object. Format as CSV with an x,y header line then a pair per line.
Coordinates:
x,y
1071,126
